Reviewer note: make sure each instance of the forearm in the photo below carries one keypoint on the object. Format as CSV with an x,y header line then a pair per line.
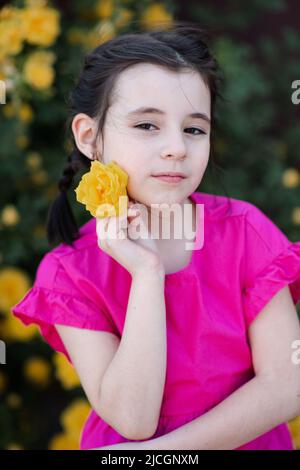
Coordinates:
x,y
252,410
133,384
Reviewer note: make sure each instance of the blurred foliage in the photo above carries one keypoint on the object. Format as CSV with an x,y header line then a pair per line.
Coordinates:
x,y
256,142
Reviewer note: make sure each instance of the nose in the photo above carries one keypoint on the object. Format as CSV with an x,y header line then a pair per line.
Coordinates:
x,y
176,149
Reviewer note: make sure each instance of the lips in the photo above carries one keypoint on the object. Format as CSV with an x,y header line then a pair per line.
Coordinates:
x,y
170,173
169,178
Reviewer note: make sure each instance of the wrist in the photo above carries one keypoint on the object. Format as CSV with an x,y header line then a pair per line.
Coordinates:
x,y
152,273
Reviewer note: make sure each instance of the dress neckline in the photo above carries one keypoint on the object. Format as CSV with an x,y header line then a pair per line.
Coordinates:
x,y
187,270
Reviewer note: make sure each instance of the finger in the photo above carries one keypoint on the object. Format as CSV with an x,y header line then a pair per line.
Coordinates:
x,y
101,227
117,227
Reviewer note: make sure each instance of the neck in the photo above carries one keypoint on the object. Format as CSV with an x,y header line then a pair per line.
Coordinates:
x,y
172,224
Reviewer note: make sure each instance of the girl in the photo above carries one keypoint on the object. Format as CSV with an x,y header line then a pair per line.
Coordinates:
x,y
175,348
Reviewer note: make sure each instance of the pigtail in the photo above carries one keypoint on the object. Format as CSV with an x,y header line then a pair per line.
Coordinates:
x,y
61,223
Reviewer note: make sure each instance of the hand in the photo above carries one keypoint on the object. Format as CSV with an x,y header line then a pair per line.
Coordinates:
x,y
134,255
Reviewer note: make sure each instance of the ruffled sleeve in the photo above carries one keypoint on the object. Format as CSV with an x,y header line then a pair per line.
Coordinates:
x,y
54,299
271,261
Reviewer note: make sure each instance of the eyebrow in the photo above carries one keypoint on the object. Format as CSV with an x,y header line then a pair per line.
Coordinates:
x,y
147,110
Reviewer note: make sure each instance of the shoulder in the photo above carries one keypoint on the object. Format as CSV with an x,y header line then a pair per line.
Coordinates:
x,y
251,217
223,207
77,267
241,226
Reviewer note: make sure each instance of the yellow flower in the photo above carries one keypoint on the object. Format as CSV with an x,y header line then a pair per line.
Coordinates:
x,y
35,3
155,14
25,112
7,13
101,188
38,70
38,371
41,25
65,372
14,330
294,426
11,32
100,34
10,215
63,441
14,284
291,178
33,160
296,215
104,8
73,418
124,17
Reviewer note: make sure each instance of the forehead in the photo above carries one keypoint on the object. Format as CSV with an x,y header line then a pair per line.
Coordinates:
x,y
155,86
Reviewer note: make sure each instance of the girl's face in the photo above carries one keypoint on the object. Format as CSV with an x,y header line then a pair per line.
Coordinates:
x,y
145,143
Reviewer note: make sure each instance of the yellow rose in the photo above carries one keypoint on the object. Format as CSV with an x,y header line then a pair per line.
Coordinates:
x,y
294,426
14,330
38,70
73,418
156,15
101,188
38,371
62,441
296,215
65,372
41,25
123,18
33,160
14,283
100,34
25,112
104,8
11,32
291,178
10,215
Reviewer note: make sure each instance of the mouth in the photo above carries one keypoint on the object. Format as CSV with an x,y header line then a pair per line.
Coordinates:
x,y
170,177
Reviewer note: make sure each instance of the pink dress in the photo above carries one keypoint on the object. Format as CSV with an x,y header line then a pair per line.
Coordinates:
x,y
245,260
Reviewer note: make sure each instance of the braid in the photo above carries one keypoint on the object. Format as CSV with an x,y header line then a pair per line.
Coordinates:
x,y
76,161
61,224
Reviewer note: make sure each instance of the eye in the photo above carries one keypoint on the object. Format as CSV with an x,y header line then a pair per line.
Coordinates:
x,y
144,124
196,129
149,124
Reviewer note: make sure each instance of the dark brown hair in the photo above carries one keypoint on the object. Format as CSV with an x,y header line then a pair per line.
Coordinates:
x,y
180,46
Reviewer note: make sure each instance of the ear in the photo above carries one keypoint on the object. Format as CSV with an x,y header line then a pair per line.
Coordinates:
x,y
84,130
